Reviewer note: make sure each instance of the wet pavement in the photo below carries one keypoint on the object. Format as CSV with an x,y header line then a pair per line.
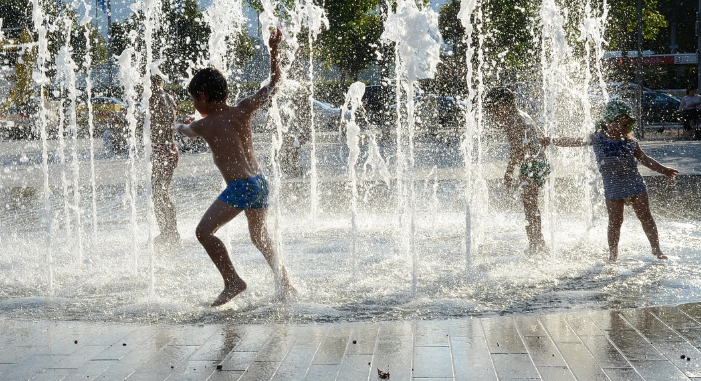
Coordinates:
x,y
657,343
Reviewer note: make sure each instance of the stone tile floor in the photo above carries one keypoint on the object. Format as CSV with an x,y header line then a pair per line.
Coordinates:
x,y
656,343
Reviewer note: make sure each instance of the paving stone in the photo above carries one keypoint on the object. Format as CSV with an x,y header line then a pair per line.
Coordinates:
x,y
333,347
260,370
658,370
609,320
429,334
582,325
652,328
558,329
90,370
322,372
529,326
468,327
633,346
296,363
193,371
555,373
623,374
219,344
52,375
674,317
502,336
543,351
363,340
238,360
605,353
679,353
432,362
395,355
514,365
471,359
355,367
581,362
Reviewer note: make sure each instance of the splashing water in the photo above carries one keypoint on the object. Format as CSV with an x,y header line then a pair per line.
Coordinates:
x,y
408,245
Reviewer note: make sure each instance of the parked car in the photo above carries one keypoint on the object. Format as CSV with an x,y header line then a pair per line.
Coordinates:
x,y
435,115
16,124
377,100
327,117
659,107
103,110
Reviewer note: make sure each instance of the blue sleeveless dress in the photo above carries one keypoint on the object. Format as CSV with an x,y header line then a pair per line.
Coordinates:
x,y
618,167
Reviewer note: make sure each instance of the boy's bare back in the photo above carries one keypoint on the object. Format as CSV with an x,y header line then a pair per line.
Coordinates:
x,y
227,129
228,133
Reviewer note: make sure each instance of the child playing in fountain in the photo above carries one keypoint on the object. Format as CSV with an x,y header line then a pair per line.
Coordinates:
x,y
227,130
526,153
616,152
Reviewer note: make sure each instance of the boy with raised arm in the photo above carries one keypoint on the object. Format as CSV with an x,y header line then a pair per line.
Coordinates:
x,y
227,131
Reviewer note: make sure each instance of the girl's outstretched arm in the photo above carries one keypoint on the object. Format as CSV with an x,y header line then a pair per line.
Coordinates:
x,y
651,163
565,142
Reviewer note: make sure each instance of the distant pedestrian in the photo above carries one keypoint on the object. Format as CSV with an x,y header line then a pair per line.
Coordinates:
x,y
689,106
616,152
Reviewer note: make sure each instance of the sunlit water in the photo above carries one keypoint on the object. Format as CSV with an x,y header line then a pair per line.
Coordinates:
x,y
501,280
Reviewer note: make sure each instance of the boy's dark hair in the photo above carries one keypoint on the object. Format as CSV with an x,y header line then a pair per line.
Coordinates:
x,y
499,95
211,82
690,88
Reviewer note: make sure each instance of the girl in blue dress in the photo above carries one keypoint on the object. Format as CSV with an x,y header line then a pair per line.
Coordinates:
x,y
617,156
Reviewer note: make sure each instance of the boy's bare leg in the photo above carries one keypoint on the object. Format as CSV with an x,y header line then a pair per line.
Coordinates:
x,y
615,212
529,196
258,230
641,206
218,214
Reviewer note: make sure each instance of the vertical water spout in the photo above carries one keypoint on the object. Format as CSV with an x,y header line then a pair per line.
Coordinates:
x,y
128,76
40,78
152,19
315,18
417,42
91,125
353,102
467,9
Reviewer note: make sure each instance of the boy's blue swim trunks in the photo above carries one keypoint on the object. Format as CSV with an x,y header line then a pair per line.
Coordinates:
x,y
250,193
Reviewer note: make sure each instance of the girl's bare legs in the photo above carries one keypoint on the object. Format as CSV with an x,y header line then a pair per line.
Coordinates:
x,y
529,196
615,212
218,214
641,206
258,229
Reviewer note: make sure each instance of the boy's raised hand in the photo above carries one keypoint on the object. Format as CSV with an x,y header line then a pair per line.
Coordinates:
x,y
275,38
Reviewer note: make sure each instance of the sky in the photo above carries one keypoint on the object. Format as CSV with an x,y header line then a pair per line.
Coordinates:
x,y
120,9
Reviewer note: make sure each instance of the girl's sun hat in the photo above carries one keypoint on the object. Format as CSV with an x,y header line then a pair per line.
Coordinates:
x,y
616,108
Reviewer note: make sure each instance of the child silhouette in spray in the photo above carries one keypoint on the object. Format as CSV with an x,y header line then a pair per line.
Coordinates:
x,y
526,154
617,156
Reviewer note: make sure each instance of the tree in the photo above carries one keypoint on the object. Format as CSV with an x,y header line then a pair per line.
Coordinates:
x,y
353,35
23,88
622,30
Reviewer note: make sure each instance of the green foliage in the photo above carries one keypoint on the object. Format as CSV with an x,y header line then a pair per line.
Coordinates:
x,y
623,23
60,18
353,35
23,88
